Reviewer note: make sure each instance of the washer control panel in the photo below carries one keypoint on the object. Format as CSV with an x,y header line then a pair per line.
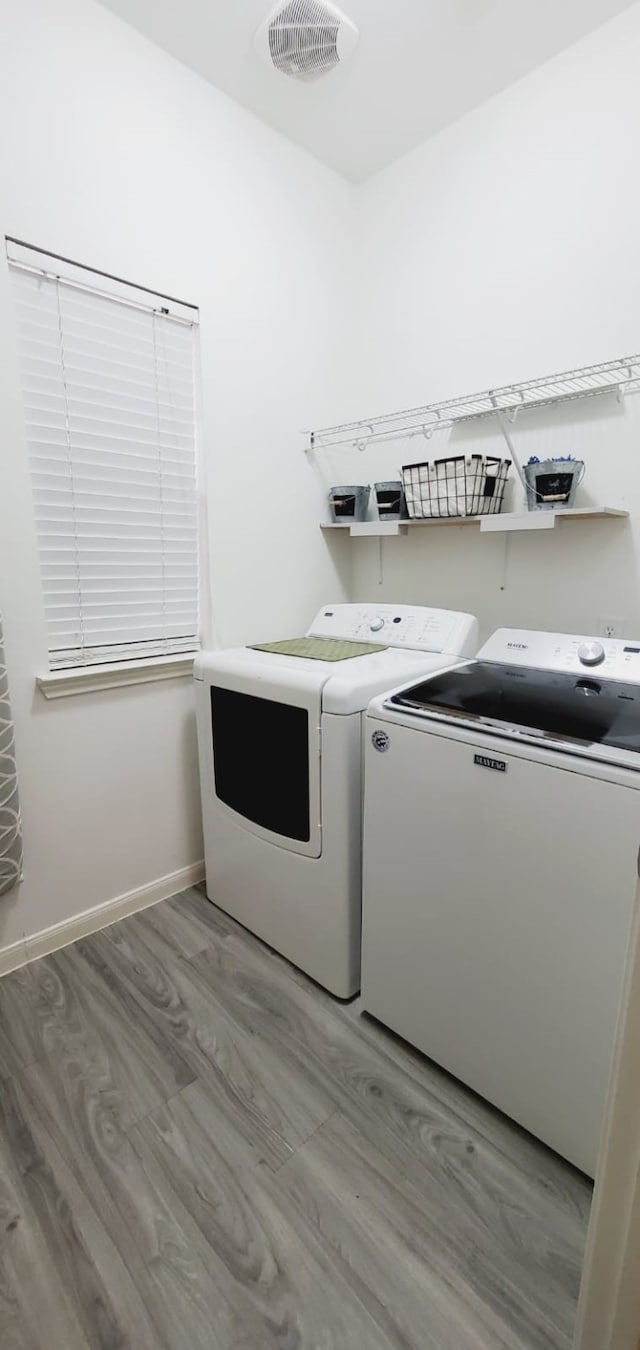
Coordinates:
x,y
417,627
614,658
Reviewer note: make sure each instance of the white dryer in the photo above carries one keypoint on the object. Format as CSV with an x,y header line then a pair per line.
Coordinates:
x,y
280,745
501,834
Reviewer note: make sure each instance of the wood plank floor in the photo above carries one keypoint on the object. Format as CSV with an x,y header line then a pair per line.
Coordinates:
x,y
201,1150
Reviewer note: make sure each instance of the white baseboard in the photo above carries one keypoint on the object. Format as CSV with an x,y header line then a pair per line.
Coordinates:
x,y
61,934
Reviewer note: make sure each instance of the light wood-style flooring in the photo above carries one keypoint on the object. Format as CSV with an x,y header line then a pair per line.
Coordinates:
x,y
201,1150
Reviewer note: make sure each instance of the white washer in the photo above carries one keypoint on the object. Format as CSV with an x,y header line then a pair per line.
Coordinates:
x,y
280,742
501,839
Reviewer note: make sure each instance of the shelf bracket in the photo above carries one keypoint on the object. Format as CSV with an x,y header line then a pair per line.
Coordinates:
x,y
511,448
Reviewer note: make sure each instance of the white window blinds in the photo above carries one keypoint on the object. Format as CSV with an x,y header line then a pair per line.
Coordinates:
x,y
109,397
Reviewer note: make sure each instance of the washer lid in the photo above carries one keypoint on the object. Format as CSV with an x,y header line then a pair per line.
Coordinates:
x,y
580,710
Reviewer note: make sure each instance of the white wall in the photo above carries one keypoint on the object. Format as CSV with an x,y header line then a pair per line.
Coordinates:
x,y
116,156
504,248
507,248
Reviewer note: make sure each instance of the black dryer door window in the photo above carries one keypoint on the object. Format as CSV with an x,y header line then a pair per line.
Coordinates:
x,y
261,761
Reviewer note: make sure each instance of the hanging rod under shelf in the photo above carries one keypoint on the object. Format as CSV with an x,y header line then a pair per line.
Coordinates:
x,y
611,377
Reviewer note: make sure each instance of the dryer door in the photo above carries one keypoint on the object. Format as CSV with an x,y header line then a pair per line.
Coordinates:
x,y
263,745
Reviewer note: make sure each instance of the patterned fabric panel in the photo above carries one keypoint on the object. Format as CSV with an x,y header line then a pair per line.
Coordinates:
x,y
10,823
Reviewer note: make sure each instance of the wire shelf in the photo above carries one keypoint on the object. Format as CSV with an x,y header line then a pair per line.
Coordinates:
x,y
611,377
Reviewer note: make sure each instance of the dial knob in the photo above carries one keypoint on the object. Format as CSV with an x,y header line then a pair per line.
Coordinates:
x,y
591,653
376,624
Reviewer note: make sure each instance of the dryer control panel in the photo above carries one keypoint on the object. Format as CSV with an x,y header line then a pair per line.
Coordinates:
x,y
613,658
415,627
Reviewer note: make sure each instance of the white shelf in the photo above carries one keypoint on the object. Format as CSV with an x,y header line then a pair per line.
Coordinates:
x,y
504,521
376,528
610,377
546,520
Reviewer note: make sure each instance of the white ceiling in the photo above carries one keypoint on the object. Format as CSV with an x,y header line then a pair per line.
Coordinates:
x,y
419,65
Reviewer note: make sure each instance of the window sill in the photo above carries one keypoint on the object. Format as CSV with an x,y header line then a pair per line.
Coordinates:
x,y
89,679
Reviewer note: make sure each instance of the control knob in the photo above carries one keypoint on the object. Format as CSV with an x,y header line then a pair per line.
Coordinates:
x,y
591,653
376,624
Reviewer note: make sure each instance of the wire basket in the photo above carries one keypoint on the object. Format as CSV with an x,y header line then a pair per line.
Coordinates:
x,y
459,486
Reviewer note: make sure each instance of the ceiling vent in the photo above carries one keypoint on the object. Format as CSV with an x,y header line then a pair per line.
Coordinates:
x,y
306,38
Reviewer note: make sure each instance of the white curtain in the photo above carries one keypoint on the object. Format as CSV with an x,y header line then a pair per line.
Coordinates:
x,y
10,823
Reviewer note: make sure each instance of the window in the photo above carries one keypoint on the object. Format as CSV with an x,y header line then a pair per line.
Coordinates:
x,y
108,381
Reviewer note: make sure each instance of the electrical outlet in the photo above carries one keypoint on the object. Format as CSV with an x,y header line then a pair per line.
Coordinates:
x,y
612,628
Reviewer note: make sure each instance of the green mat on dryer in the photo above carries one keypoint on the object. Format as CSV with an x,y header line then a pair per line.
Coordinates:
x,y
319,649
